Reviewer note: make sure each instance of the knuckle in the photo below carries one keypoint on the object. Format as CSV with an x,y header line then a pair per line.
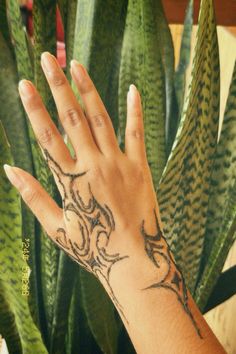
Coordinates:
x,y
46,135
141,172
30,196
86,86
135,133
72,116
98,119
97,173
57,79
33,104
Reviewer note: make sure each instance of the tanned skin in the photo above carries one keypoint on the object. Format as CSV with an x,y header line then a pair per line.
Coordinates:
x,y
109,222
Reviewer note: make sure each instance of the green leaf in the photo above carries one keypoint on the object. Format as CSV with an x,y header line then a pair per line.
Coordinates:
x,y
99,310
184,57
219,252
8,328
141,64
223,173
183,192
222,203
13,266
168,61
4,28
67,270
68,12
19,40
79,334
44,16
98,36
223,290
14,122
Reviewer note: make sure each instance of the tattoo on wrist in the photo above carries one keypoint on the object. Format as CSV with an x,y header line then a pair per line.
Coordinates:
x,y
96,225
171,278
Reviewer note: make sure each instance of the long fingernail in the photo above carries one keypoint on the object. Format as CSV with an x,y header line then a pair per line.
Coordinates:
x,y
48,61
132,93
26,88
13,176
78,70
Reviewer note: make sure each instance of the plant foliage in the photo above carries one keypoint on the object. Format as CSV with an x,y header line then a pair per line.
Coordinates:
x,y
119,42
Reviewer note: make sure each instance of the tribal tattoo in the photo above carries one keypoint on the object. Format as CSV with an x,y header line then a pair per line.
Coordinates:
x,y
95,224
171,279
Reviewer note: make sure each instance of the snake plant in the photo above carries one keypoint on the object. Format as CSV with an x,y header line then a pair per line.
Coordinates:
x,y
120,42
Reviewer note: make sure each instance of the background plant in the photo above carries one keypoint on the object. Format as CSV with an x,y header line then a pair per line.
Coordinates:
x,y
119,42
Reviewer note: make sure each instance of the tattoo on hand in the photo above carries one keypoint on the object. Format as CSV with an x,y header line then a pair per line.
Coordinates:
x,y
172,279
96,225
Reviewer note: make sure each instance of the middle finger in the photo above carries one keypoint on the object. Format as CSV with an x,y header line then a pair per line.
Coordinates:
x,y
69,110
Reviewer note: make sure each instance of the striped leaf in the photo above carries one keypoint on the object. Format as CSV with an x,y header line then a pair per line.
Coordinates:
x,y
183,192
223,173
67,270
44,20
14,122
13,268
184,56
19,40
98,36
68,13
100,313
222,202
4,22
79,338
141,64
8,328
168,60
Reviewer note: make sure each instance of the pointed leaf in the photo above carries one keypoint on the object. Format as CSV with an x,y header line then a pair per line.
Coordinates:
x,y
100,313
98,35
223,173
141,64
183,190
222,203
65,283
13,268
184,57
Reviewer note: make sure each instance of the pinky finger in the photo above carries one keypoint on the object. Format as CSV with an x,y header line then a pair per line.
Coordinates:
x,y
38,200
134,132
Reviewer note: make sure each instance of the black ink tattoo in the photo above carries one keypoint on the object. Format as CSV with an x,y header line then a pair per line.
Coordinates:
x,y
95,225
172,279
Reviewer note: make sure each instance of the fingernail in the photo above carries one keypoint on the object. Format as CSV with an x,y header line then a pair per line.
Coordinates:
x,y
26,88
13,176
132,93
48,61
78,70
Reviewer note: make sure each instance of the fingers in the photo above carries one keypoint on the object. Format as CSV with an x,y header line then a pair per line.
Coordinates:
x,y
69,110
96,113
134,133
45,130
42,205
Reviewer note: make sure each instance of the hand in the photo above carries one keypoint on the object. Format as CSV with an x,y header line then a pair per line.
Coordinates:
x,y
110,213
105,193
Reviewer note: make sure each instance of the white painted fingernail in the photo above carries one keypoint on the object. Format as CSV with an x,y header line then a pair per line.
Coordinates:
x,y
78,70
132,93
26,88
49,62
13,176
